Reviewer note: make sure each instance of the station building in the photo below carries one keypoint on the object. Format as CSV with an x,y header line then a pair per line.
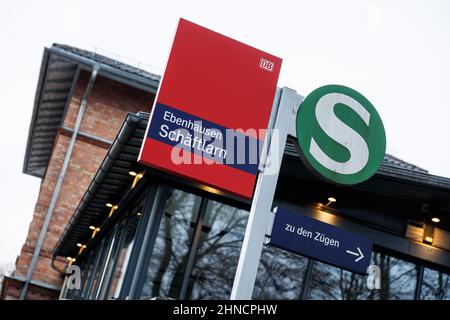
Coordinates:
x,y
139,233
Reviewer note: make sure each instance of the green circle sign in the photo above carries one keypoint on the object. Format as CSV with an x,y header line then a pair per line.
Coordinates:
x,y
340,135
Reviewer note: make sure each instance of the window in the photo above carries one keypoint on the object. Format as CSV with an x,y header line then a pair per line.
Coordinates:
x,y
171,250
106,242
218,249
435,285
398,281
124,248
331,283
88,271
110,261
280,275
398,277
84,268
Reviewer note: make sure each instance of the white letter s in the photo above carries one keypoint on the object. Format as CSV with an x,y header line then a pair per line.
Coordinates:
x,y
341,133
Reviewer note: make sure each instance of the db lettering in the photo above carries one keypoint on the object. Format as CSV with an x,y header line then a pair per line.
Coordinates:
x,y
266,65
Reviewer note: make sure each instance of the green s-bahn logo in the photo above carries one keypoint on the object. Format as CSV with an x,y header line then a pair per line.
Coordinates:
x,y
340,135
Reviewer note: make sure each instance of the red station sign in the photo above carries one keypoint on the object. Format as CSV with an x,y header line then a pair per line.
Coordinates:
x,y
210,113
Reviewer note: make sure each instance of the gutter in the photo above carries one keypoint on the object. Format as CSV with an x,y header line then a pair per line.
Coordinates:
x,y
37,101
137,81
62,173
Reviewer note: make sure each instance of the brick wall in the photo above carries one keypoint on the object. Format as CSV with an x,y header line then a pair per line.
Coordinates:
x,y
107,107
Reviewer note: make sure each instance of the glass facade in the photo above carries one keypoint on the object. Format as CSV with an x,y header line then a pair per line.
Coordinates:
x,y
125,246
171,251
398,281
219,242
196,250
194,254
435,286
398,278
331,283
280,275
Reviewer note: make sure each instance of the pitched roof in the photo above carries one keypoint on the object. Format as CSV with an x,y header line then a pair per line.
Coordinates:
x,y
59,72
391,160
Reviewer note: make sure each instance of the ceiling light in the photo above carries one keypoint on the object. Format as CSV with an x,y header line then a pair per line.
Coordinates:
x,y
212,190
330,201
132,173
435,219
109,205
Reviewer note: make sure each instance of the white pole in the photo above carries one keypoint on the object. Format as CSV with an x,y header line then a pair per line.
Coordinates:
x,y
258,219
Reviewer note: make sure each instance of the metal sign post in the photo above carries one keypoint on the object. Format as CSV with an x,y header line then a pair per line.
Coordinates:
x,y
247,268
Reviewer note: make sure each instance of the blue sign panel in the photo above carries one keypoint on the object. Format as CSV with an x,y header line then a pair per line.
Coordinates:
x,y
301,234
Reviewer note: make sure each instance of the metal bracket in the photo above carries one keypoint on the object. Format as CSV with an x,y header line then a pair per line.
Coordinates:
x,y
270,225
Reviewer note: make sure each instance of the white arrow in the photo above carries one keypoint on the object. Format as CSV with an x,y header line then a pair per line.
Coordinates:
x,y
359,255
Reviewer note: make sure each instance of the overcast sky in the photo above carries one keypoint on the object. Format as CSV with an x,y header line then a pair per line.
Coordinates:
x,y
396,53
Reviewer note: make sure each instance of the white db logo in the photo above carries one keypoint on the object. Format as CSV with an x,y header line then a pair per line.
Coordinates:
x,y
266,64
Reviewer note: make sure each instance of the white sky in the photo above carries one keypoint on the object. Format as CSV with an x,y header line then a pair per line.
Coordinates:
x,y
396,53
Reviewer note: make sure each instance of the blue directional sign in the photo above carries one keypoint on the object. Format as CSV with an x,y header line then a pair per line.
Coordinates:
x,y
301,234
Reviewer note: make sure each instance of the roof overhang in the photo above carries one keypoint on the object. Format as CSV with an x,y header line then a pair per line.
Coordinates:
x,y
58,75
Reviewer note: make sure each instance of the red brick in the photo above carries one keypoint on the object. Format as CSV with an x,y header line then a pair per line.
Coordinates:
x,y
107,107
